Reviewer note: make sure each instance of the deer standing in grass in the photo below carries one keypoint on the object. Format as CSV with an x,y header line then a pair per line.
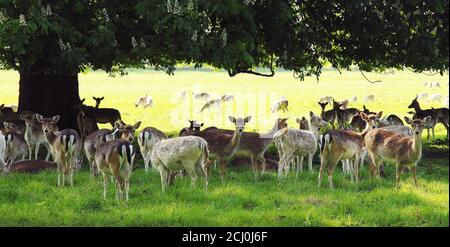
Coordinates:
x,y
296,142
189,153
65,146
147,139
221,145
93,141
421,114
15,146
34,136
389,146
331,115
342,145
115,158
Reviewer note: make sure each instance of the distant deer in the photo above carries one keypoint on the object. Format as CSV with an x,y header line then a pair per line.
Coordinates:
x,y
344,145
326,99
34,136
145,101
93,141
65,146
298,142
15,146
147,139
211,103
86,123
227,97
115,158
201,96
405,151
329,116
189,153
221,145
281,104
442,117
421,114
98,101
369,98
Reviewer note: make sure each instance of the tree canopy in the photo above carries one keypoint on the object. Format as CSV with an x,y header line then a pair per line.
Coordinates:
x,y
66,37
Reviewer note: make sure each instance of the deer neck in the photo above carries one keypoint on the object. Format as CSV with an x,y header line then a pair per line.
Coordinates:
x,y
417,145
51,137
272,132
315,130
417,107
235,139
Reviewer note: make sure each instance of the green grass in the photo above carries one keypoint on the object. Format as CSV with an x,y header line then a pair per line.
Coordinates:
x,y
35,200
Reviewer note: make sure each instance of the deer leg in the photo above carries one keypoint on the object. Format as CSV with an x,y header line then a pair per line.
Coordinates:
x,y
36,150
164,174
428,134
30,151
146,163
280,165
253,160
105,185
222,164
356,168
331,167
127,188
299,165
193,176
264,163
432,131
322,166
398,172
414,175
286,164
310,159
58,171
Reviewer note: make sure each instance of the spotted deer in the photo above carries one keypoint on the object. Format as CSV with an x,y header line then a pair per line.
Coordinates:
x,y
147,139
115,159
331,115
34,136
292,143
221,145
389,146
15,145
189,153
344,145
344,115
65,146
421,114
97,101
93,141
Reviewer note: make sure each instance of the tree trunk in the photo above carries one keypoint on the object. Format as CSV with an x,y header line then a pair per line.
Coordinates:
x,y
50,95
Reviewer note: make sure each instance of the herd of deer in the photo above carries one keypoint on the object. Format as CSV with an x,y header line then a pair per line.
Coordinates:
x,y
354,136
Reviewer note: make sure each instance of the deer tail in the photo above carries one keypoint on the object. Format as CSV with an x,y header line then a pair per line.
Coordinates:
x,y
126,154
326,141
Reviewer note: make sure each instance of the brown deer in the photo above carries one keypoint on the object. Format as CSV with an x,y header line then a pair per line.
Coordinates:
x,y
303,123
115,158
344,115
97,101
86,123
65,146
102,115
92,142
28,166
221,145
15,145
442,117
394,120
34,136
126,131
421,114
330,115
342,145
193,125
389,146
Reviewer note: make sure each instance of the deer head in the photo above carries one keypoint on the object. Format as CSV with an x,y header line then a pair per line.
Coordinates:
x,y
372,120
29,118
98,101
317,121
418,125
127,131
414,103
239,122
48,124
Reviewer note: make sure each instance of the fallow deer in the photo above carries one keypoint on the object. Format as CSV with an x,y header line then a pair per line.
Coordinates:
x,y
202,96
93,141
97,101
344,115
127,131
221,145
330,115
28,166
34,136
189,153
115,158
344,145
65,146
193,125
15,145
303,123
145,101
102,115
147,139
442,117
211,103
86,123
404,151
394,120
281,104
421,114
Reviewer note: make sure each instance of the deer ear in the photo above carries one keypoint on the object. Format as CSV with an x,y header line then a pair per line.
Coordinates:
x,y
232,119
2,105
82,101
118,125
94,98
298,120
311,114
22,116
55,119
102,98
363,115
136,125
247,119
39,118
408,120
6,124
379,114
426,120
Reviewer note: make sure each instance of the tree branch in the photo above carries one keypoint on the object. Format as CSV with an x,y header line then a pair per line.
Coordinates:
x,y
232,73
368,78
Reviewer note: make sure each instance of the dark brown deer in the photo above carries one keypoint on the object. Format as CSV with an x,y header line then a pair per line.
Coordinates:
x,y
421,114
329,116
29,166
344,115
102,115
98,101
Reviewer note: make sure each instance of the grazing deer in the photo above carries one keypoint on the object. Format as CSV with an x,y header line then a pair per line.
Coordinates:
x,y
221,145
344,145
145,101
404,151
227,97
115,159
28,166
298,142
93,141
281,104
98,101
330,115
369,98
15,146
65,146
34,136
147,139
201,96
189,153
254,145
86,123
421,114
394,120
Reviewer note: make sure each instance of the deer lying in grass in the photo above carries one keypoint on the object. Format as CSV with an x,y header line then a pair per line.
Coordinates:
x,y
221,145
292,143
65,146
28,166
189,153
404,151
329,116
421,114
344,145
115,158
15,145
147,139
34,136
93,141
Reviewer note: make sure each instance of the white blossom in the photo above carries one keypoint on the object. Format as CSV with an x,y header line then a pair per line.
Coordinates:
x,y
22,20
224,37
142,42
194,36
133,41
62,46
105,13
169,6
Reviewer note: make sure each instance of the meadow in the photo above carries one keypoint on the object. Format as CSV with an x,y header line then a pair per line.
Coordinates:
x,y
34,200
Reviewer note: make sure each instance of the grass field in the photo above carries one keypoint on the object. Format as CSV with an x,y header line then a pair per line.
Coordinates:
x,y
31,200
